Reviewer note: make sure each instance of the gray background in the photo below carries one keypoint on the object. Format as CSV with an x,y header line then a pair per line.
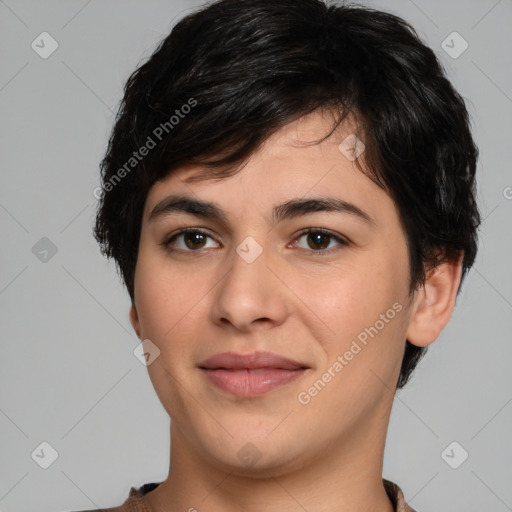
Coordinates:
x,y
68,375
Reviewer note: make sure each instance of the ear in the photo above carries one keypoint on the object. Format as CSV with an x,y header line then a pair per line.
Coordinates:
x,y
134,320
434,303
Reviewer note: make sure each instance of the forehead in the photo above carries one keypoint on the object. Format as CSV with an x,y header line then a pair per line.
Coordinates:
x,y
290,164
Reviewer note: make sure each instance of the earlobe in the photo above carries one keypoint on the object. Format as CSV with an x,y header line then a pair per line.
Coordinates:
x,y
134,320
434,303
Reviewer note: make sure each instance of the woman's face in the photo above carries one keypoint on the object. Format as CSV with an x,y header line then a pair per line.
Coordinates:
x,y
252,281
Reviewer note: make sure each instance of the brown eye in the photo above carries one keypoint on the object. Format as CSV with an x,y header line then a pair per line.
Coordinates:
x,y
319,240
190,240
194,240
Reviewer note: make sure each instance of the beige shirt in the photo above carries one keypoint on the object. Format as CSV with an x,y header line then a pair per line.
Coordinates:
x,y
137,503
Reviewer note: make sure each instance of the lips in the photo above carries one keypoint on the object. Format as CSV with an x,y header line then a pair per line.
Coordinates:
x,y
251,375
253,361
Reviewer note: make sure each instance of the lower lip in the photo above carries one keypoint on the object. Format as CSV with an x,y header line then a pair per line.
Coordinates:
x,y
247,385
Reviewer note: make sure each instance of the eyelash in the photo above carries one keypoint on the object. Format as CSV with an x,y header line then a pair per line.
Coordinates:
x,y
342,241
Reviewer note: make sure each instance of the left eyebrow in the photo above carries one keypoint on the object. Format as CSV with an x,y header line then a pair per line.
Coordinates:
x,y
299,207
287,210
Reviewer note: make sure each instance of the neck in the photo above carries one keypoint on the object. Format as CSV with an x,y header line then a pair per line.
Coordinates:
x,y
345,477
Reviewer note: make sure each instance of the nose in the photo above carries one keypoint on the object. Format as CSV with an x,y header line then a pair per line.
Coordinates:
x,y
250,295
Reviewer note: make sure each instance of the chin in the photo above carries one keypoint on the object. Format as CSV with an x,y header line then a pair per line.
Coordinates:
x,y
256,456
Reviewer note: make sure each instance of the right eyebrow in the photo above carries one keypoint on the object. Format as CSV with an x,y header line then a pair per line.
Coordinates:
x,y
200,208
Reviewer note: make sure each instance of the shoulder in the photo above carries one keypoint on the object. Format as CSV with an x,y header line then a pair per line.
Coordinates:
x,y
134,503
397,497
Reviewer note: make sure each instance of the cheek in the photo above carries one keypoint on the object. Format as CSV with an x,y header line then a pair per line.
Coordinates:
x,y
164,297
354,298
167,299
366,349
365,311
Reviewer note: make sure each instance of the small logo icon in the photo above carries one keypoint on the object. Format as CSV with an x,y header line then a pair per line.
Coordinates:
x,y
146,352
351,147
249,455
44,250
454,455
249,250
44,45
45,455
454,45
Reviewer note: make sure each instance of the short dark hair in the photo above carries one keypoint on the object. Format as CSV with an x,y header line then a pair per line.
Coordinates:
x,y
231,74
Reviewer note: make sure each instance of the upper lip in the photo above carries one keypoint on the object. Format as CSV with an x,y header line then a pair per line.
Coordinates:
x,y
253,360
